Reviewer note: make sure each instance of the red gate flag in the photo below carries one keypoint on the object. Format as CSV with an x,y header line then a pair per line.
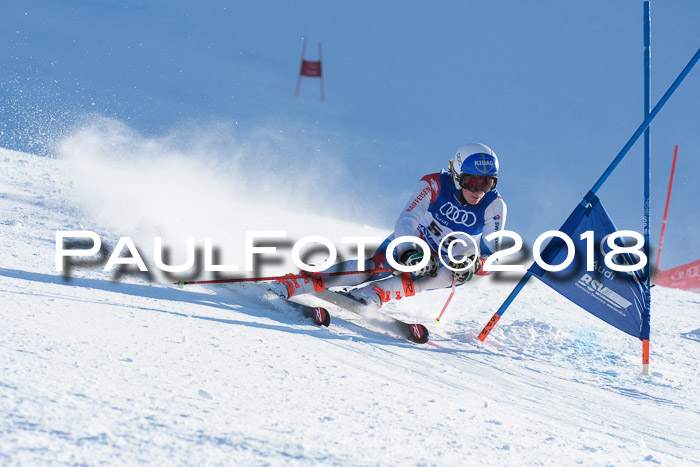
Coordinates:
x,y
312,69
686,277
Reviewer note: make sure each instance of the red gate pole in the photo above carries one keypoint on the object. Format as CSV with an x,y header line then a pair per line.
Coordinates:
x,y
303,54
320,65
668,200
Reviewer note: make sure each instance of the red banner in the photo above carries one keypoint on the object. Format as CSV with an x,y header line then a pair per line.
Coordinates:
x,y
686,277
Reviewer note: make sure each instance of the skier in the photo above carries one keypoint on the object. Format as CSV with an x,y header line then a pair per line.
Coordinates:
x,y
460,199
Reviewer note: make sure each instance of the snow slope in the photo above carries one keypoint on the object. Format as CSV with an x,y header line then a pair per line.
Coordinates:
x,y
93,370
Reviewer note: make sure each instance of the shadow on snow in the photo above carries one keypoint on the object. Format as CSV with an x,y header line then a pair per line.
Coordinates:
x,y
243,305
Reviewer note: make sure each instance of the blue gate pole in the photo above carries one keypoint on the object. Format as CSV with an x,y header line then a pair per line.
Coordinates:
x,y
646,316
591,194
647,137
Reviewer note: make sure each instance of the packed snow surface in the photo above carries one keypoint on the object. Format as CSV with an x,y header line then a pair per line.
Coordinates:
x,y
96,370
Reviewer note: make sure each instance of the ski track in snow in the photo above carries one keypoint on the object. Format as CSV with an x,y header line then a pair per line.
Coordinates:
x,y
95,371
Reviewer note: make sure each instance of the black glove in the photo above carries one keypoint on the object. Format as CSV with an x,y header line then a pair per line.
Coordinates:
x,y
464,273
412,257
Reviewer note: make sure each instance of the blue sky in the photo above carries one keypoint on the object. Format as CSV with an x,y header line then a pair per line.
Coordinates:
x,y
554,87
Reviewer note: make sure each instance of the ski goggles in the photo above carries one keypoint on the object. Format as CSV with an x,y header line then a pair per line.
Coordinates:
x,y
476,183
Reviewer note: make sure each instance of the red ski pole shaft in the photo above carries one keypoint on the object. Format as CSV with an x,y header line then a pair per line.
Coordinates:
x,y
289,276
454,284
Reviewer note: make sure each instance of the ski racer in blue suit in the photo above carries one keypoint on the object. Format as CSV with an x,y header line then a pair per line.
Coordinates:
x,y
461,199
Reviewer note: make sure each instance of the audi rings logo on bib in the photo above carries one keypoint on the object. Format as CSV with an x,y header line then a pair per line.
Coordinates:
x,y
454,214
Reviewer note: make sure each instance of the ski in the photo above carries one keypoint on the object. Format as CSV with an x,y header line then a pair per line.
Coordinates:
x,y
318,314
414,332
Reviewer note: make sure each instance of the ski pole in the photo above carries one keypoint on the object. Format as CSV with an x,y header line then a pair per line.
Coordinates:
x,y
454,284
289,276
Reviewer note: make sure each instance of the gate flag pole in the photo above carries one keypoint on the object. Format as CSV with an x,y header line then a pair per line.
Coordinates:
x,y
590,196
647,134
668,200
647,178
320,73
303,54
